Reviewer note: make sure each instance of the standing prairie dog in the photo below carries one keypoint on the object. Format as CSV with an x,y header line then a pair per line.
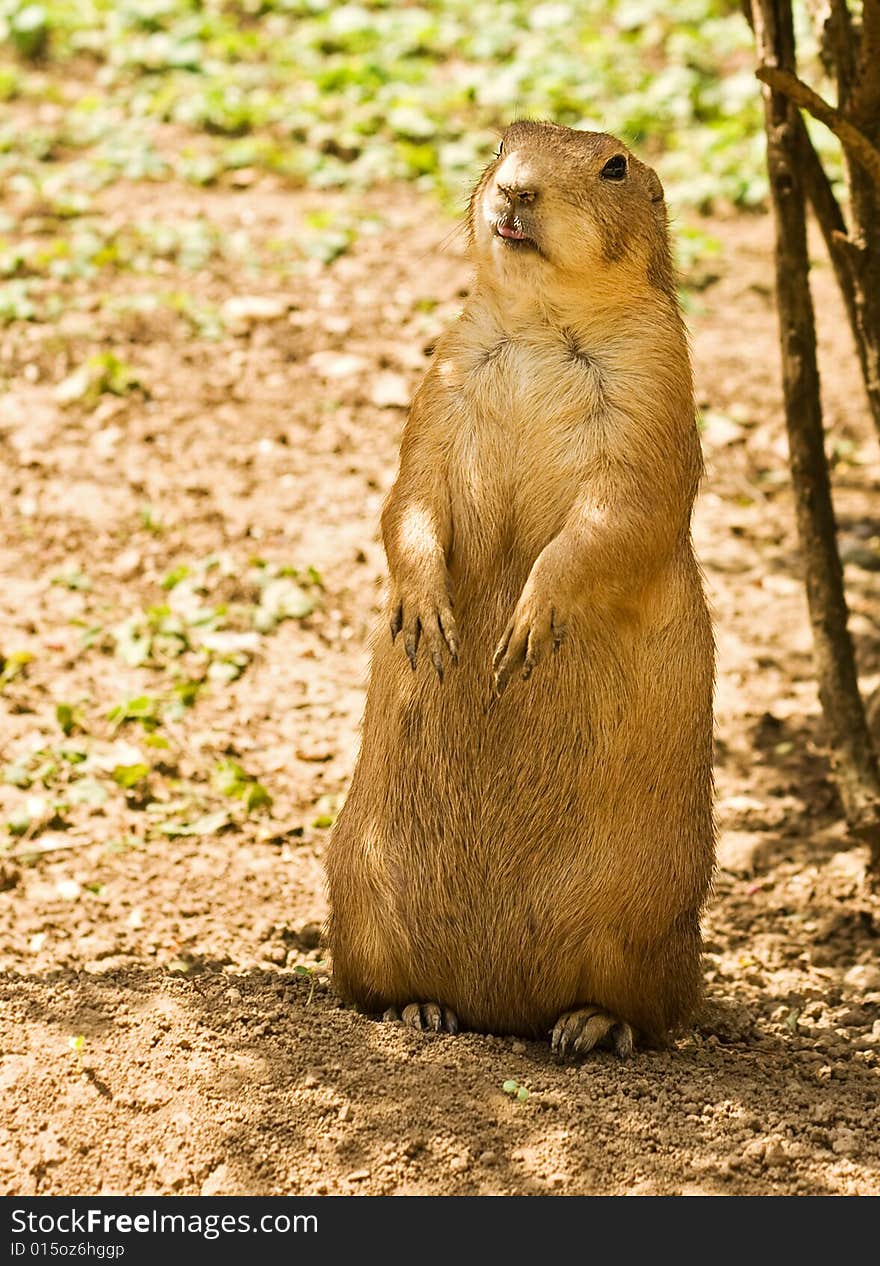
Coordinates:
x,y
528,839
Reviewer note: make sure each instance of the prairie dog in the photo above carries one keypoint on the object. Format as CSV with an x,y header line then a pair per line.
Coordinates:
x,y
528,839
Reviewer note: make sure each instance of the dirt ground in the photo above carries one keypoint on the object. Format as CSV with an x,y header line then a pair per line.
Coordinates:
x,y
167,1023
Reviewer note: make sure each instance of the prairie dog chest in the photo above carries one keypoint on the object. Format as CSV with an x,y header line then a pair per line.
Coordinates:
x,y
528,417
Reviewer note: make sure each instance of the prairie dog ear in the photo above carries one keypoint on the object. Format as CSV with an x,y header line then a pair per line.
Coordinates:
x,y
655,189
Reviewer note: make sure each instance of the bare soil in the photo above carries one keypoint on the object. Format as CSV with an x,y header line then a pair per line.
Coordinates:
x,y
167,1022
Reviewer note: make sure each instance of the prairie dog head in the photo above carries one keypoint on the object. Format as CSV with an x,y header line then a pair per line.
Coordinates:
x,y
558,207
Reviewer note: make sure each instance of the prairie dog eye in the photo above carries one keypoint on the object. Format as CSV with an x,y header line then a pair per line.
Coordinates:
x,y
499,149
614,169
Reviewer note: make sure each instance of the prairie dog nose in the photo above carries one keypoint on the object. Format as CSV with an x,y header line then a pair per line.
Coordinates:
x,y
518,193
516,180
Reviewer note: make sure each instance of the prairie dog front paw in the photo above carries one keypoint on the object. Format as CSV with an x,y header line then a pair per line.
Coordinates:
x,y
538,626
425,613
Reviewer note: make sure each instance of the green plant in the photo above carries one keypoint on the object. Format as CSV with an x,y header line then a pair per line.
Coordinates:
x,y
308,974
13,666
77,1046
28,28
100,374
515,1090
231,780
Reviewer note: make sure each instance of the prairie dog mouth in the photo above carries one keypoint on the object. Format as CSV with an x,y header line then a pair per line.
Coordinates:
x,y
512,234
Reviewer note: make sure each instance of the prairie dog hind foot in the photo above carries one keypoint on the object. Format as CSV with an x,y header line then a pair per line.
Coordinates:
x,y
576,1033
430,1017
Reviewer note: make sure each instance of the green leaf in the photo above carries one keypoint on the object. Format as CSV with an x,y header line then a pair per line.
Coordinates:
x,y
87,791
281,599
187,691
301,970
143,708
68,717
29,30
228,669
13,665
37,812
791,1020
45,771
229,778
130,775
207,824
256,797
133,642
327,811
150,519
90,635
75,580
73,755
175,576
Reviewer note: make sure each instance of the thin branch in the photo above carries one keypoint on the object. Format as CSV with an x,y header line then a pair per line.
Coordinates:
x,y
840,249
854,141
818,189
830,219
864,105
842,42
39,849
846,256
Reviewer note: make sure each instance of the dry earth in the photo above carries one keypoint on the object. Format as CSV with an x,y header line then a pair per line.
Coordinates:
x,y
156,1033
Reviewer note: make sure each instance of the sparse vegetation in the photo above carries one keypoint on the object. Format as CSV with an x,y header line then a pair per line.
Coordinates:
x,y
202,638
515,1090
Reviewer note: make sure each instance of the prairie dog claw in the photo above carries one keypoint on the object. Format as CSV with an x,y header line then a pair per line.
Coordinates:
x,y
430,1017
576,1033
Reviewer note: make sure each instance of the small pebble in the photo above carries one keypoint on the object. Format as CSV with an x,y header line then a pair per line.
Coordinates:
x,y
863,976
774,1153
9,876
843,1142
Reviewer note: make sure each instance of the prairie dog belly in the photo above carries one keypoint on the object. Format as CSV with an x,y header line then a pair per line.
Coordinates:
x,y
528,838
520,448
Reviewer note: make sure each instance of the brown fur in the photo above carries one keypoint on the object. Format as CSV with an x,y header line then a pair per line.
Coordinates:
x,y
518,857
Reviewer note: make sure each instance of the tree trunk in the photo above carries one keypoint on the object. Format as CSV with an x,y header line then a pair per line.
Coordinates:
x,y
861,106
854,759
